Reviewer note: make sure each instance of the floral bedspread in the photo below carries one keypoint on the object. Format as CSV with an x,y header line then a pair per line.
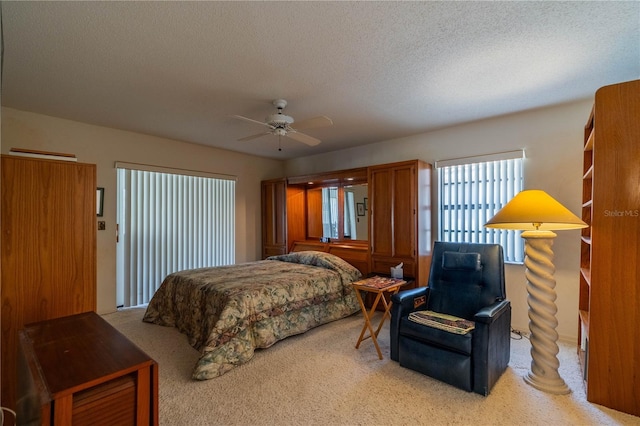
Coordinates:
x,y
229,311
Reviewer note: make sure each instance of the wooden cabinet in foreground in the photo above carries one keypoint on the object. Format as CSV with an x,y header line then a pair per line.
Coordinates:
x,y
609,296
79,370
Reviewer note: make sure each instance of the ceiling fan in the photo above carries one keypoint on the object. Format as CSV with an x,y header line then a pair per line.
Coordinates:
x,y
280,125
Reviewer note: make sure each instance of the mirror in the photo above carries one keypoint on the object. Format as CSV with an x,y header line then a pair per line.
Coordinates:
x,y
337,213
355,212
336,205
330,212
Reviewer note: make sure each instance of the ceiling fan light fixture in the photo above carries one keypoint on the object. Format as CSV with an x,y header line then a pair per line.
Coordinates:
x,y
279,118
279,125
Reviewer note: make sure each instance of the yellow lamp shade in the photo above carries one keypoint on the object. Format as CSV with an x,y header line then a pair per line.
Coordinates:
x,y
535,210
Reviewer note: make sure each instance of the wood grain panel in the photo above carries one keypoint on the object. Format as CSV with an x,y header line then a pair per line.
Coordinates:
x,y
610,282
381,212
113,403
383,265
314,220
48,248
400,195
296,217
274,218
309,245
354,254
404,211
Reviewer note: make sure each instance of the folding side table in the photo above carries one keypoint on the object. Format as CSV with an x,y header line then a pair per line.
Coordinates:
x,y
379,286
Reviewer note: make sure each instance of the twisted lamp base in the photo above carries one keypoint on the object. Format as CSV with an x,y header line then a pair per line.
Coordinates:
x,y
542,313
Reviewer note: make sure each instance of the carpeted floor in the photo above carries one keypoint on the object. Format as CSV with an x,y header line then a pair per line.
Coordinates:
x,y
319,378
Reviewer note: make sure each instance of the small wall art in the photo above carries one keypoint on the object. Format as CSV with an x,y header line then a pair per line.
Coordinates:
x,y
99,201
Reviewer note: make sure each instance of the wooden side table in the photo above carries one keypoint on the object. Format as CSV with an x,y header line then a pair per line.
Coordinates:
x,y
378,286
81,370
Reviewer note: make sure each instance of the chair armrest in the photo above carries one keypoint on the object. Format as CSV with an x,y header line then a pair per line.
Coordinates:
x,y
488,314
404,301
491,345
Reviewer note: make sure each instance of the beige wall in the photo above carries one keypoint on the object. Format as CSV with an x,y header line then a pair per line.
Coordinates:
x,y
552,138
104,146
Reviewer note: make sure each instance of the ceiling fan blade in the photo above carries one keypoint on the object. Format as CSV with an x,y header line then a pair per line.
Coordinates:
x,y
248,138
250,120
301,137
313,123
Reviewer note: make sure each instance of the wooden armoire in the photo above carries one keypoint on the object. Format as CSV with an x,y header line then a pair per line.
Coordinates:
x,y
48,259
398,216
609,297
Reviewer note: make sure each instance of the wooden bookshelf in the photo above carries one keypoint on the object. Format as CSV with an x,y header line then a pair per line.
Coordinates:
x,y
609,293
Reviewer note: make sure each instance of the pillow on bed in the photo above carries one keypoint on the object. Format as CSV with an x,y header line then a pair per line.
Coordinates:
x,y
323,260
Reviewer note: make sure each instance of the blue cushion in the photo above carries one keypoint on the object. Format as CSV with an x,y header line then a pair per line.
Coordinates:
x,y
461,261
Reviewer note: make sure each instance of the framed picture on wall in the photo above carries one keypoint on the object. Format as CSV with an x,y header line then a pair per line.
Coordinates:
x,y
366,203
99,201
360,208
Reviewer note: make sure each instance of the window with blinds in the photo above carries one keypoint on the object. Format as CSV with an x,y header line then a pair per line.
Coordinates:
x,y
169,221
471,191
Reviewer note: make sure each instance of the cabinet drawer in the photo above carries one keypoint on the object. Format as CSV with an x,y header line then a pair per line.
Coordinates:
x,y
383,266
111,403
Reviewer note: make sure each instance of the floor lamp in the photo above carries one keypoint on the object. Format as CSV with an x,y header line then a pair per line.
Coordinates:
x,y
538,214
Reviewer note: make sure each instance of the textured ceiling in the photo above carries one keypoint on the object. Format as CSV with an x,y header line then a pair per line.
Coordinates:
x,y
380,70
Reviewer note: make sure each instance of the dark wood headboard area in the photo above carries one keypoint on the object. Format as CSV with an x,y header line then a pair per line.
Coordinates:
x,y
355,253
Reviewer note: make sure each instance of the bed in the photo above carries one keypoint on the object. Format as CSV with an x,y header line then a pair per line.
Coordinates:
x,y
228,312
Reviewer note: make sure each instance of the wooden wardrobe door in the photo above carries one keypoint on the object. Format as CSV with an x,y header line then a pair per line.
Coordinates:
x,y
393,200
400,221
404,211
48,248
381,210
274,217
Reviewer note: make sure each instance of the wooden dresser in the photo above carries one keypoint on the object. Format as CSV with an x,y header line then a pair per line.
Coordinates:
x,y
80,370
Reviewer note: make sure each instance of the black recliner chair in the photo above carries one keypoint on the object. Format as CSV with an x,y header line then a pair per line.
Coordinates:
x,y
466,281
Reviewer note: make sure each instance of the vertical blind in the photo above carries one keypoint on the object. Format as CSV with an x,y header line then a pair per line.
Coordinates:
x,y
168,222
471,193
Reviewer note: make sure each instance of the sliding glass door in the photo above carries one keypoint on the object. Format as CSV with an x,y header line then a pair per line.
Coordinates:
x,y
169,221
